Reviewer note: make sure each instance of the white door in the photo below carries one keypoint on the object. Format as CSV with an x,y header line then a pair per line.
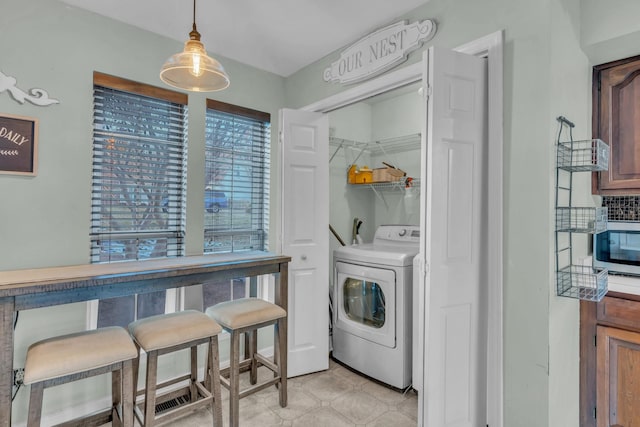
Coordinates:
x,y
455,292
305,236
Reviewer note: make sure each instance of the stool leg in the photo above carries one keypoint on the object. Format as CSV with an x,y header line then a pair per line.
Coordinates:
x,y
194,373
214,380
135,370
117,412
253,348
35,404
234,380
208,368
127,393
280,358
150,393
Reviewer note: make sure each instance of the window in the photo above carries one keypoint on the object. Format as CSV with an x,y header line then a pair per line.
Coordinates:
x,y
139,173
139,183
237,163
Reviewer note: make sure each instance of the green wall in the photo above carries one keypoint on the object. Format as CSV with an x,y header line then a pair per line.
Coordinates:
x,y
44,220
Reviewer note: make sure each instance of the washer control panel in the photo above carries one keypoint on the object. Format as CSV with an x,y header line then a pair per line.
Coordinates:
x,y
386,234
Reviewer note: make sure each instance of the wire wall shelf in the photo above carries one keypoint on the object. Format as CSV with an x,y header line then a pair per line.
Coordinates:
x,y
401,185
582,282
581,220
574,280
590,155
386,145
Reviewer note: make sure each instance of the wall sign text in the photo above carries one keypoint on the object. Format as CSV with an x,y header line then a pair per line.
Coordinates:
x,y
379,51
18,145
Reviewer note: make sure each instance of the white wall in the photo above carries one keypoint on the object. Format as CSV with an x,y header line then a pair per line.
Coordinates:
x,y
571,89
399,116
352,126
610,30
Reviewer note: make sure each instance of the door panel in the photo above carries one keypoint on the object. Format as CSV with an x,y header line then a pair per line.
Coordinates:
x,y
305,236
616,120
618,377
455,339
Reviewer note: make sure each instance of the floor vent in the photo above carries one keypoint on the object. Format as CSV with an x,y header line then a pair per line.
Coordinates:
x,y
170,404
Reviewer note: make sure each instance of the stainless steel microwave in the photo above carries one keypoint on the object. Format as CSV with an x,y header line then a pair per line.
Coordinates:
x,y
618,248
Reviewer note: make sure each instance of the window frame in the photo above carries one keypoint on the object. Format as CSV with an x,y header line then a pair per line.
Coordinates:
x,y
177,217
219,107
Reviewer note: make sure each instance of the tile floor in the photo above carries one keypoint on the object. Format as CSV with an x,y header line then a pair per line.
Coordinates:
x,y
337,397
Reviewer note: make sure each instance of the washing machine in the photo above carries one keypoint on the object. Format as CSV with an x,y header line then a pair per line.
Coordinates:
x,y
372,304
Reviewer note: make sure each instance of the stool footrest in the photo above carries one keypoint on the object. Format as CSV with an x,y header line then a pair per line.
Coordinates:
x,y
204,399
267,363
258,387
244,366
97,419
167,384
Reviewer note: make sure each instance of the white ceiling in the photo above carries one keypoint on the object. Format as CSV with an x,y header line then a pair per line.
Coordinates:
x,y
281,36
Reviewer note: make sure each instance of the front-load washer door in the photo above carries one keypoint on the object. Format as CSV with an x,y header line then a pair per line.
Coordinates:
x,y
366,302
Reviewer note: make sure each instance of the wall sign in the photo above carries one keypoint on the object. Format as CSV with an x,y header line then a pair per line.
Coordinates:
x,y
18,145
35,96
379,51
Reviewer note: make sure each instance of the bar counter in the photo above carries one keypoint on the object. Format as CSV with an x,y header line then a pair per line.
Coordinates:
x,y
42,287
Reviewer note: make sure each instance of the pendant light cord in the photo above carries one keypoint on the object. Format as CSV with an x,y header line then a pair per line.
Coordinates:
x,y
194,34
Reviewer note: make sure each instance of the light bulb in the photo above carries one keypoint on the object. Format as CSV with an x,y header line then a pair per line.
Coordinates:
x,y
195,69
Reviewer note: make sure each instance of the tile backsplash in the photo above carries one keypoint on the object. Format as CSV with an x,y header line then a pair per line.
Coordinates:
x,y
622,208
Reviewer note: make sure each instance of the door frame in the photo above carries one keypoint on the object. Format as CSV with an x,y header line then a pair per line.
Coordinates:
x,y
491,47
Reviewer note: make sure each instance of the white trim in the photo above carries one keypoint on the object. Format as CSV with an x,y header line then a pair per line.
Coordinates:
x,y
387,82
490,46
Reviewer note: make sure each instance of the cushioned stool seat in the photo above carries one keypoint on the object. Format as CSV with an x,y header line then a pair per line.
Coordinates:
x,y
67,358
247,315
166,333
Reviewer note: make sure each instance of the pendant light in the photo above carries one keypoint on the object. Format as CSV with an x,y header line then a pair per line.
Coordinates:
x,y
192,69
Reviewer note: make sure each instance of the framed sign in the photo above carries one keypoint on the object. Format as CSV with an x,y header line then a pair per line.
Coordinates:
x,y
18,145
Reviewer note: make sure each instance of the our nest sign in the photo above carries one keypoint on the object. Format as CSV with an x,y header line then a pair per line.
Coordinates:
x,y
379,51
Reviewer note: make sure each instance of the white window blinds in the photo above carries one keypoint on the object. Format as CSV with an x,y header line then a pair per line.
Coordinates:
x,y
139,173
237,162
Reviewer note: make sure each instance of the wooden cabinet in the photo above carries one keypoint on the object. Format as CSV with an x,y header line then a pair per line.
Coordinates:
x,y
618,377
610,362
616,120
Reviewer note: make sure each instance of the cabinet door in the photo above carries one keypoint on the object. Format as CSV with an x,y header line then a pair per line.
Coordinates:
x,y
618,378
616,120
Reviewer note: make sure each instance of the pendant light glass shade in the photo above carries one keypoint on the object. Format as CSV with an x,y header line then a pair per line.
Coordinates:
x,y
192,69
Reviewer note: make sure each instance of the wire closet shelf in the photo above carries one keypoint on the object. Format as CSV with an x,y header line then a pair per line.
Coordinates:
x,y
574,280
385,146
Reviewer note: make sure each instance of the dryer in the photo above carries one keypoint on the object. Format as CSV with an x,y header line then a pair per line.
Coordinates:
x,y
373,310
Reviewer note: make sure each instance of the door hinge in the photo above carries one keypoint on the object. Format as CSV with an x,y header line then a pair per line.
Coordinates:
x,y
425,92
595,340
280,137
594,413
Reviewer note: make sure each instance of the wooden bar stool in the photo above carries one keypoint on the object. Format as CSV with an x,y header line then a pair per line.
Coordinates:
x,y
73,357
247,315
167,333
